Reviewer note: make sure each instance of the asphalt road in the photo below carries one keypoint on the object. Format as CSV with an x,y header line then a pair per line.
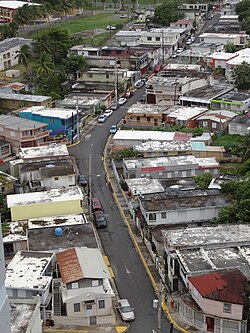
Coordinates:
x,y
131,279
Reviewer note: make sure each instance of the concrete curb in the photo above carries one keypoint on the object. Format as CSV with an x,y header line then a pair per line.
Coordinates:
x,y
154,284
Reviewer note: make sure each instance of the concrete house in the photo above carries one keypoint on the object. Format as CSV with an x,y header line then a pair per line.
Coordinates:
x,y
45,175
28,275
219,295
184,116
176,206
240,125
17,101
237,102
50,203
169,167
219,59
5,150
83,289
240,57
7,183
8,8
22,133
61,122
238,39
9,48
86,51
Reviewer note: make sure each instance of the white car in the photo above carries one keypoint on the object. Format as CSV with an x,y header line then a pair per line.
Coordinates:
x,y
102,118
125,310
180,49
122,101
111,27
189,41
174,55
123,15
139,84
108,112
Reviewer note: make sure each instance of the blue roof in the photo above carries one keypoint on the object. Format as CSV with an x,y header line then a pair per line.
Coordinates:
x,y
196,145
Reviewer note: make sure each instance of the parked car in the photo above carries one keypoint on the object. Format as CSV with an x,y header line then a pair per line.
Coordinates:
x,y
111,27
139,84
128,94
108,112
114,106
125,310
82,180
113,129
210,16
123,15
180,49
144,79
122,101
189,41
99,219
102,118
174,55
95,204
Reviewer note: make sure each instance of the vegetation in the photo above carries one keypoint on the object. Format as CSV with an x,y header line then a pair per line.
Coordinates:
x,y
168,12
230,142
238,211
5,212
242,76
198,131
118,155
243,10
231,48
204,180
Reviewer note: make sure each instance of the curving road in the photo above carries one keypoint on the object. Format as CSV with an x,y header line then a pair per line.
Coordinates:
x,y
131,279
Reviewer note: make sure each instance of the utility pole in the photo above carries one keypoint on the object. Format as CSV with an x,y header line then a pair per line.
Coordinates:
x,y
162,47
77,123
116,84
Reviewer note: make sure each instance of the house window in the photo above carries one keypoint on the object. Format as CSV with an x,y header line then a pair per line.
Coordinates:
x,y
56,178
95,283
163,215
101,304
89,75
12,133
89,306
148,119
157,39
138,119
107,76
74,285
227,308
152,217
77,307
149,38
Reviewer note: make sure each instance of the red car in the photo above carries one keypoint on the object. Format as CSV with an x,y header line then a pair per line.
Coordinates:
x,y
128,94
95,204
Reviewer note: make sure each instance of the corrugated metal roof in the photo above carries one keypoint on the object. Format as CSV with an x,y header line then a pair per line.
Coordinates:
x,y
69,266
224,286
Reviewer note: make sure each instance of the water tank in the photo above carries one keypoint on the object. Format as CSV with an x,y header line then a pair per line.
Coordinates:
x,y
58,232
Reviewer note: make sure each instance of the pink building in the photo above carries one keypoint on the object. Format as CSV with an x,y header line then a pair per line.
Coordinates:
x,y
219,295
22,132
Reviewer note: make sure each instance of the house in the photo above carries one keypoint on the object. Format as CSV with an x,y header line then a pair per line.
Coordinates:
x,y
8,8
44,175
125,138
169,167
204,249
240,125
237,102
216,121
85,51
176,206
86,103
203,96
13,87
167,87
22,132
227,23
192,9
7,183
50,203
25,315
5,150
187,24
184,116
84,288
177,148
30,274
9,48
144,116
219,59
53,234
16,101
238,39
4,301
240,57
61,122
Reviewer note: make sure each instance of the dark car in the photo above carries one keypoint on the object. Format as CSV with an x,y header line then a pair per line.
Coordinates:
x,y
96,204
82,180
100,219
114,106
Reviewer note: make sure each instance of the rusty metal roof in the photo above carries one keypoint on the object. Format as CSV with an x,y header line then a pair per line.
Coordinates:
x,y
69,266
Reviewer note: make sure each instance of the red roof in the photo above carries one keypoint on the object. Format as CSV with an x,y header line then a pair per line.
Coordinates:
x,y
69,266
223,286
182,136
184,22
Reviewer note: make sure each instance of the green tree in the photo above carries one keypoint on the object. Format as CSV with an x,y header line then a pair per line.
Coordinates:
x,y
50,85
244,148
230,48
245,167
243,9
44,64
203,180
242,76
73,63
43,44
168,12
24,55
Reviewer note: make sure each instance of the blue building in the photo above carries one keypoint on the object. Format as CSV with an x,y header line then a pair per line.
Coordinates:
x,y
61,122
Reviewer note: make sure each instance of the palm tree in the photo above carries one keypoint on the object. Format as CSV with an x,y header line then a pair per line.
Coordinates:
x,y
44,65
245,148
43,44
24,55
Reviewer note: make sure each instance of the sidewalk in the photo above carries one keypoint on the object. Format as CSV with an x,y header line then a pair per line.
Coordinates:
x,y
171,312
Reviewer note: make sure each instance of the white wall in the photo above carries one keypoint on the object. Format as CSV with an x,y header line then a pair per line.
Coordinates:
x,y
62,181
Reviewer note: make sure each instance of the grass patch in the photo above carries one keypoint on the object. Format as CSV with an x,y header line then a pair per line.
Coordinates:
x,y
97,40
230,168
91,22
230,142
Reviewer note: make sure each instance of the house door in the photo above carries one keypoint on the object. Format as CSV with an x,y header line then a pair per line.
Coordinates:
x,y
210,324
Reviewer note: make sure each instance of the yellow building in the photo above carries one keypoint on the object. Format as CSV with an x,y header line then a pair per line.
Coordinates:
x,y
53,202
